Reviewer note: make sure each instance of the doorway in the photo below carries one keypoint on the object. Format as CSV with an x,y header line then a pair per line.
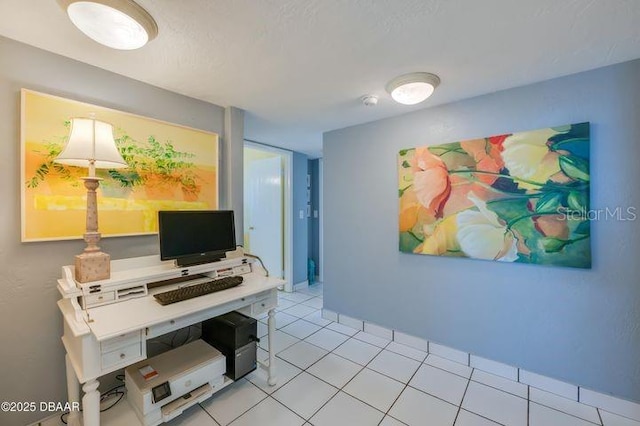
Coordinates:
x,y
267,208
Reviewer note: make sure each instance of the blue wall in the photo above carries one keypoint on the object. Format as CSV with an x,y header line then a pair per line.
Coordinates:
x,y
300,226
580,326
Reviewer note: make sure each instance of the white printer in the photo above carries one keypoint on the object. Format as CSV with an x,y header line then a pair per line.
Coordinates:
x,y
162,387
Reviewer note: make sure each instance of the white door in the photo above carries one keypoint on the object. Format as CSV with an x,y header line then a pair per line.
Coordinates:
x,y
263,212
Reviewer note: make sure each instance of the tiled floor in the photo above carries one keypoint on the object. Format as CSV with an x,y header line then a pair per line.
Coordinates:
x,y
330,374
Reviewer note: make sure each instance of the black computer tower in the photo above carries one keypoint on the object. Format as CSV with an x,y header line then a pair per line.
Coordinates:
x,y
235,335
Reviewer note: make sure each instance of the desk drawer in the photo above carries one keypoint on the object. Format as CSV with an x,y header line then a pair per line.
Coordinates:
x,y
123,356
120,341
262,305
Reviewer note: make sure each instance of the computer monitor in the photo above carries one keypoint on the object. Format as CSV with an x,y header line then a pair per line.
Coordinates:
x,y
195,237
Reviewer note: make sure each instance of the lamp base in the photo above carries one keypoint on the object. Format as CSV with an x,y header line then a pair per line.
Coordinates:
x,y
93,266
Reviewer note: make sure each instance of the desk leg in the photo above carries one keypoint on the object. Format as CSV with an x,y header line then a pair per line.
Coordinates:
x,y
91,403
271,322
73,392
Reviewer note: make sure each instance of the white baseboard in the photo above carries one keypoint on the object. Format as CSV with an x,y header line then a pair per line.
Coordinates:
x,y
301,285
577,393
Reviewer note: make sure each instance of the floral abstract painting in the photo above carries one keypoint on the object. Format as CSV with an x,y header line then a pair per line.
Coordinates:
x,y
518,197
171,167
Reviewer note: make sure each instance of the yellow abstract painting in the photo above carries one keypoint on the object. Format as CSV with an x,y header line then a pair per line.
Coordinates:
x,y
170,167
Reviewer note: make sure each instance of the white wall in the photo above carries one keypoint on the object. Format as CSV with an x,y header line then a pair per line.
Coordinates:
x,y
579,326
31,353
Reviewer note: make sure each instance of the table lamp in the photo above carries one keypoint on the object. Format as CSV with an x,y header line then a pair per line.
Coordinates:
x,y
91,144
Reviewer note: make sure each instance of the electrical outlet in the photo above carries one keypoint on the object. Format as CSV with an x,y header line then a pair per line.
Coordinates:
x,y
301,214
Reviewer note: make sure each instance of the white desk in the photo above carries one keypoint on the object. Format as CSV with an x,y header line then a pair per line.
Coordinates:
x,y
107,338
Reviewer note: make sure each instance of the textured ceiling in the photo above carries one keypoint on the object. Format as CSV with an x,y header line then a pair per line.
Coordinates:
x,y
299,67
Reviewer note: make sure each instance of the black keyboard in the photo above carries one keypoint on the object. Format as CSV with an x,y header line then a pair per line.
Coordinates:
x,y
196,290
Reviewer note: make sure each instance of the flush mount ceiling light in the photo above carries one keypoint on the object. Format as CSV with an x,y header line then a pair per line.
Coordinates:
x,y
411,89
119,24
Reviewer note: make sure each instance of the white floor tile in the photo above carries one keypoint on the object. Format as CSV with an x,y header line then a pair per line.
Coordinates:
x,y
419,409
565,405
281,341
357,351
335,370
341,328
495,405
262,316
54,420
370,338
313,289
390,421
269,413
284,372
327,339
375,389
343,409
466,418
515,388
194,416
407,351
609,419
300,310
315,302
226,405
539,415
282,319
316,318
297,296
262,354
450,366
300,329
284,304
305,394
395,366
262,329
440,383
302,354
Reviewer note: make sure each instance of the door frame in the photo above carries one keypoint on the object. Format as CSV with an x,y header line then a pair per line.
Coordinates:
x,y
287,172
321,220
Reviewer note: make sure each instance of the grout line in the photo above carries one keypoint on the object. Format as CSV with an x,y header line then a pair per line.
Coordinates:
x,y
406,385
528,405
462,400
305,420
451,372
241,414
208,414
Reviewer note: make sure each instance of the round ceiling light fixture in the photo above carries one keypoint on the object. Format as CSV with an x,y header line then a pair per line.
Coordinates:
x,y
119,24
413,88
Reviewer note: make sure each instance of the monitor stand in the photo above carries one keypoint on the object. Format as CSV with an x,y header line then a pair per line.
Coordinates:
x,y
199,259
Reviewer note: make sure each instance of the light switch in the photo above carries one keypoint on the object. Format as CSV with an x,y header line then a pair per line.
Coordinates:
x,y
315,214
301,214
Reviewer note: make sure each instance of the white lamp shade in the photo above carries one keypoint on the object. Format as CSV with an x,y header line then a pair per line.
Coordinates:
x,y
119,24
91,140
411,89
